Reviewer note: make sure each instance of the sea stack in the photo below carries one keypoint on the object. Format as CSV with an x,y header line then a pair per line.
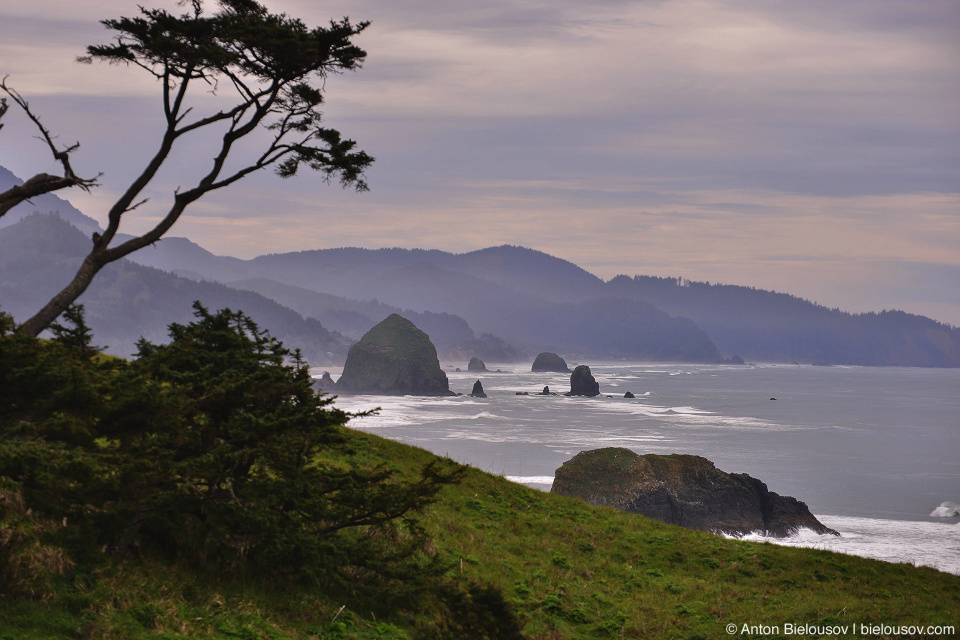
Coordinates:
x,y
547,361
394,358
582,382
684,490
478,390
325,384
476,365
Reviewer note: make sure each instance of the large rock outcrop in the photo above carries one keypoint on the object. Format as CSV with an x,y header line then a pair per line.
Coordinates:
x,y
547,361
476,364
394,358
684,490
582,382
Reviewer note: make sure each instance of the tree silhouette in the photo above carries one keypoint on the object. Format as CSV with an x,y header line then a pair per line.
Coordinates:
x,y
42,182
272,65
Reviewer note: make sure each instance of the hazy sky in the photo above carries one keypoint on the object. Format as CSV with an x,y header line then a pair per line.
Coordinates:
x,y
806,146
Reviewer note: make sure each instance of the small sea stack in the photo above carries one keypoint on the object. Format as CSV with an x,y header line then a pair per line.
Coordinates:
x,y
325,384
582,382
478,390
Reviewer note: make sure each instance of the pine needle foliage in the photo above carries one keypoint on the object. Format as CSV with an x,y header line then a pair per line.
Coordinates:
x,y
212,449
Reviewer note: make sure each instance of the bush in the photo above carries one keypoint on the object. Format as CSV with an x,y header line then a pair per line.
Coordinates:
x,y
213,448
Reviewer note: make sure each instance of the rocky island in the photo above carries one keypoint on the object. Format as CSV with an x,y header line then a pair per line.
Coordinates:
x,y
477,390
476,365
394,358
684,490
582,382
550,362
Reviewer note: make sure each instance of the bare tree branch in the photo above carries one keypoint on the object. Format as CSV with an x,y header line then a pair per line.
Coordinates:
x,y
42,182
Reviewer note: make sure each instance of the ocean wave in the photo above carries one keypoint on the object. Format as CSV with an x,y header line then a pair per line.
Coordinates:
x,y
401,411
485,414
946,509
930,544
530,479
686,416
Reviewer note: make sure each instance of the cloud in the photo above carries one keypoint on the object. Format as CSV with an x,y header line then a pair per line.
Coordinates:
x,y
769,142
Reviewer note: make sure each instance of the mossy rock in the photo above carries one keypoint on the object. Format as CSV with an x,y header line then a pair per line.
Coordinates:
x,y
394,358
684,490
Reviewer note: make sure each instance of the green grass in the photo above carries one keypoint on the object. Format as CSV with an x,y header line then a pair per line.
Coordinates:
x,y
568,569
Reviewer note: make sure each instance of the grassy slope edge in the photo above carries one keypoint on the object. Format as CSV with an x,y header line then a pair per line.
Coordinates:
x,y
569,570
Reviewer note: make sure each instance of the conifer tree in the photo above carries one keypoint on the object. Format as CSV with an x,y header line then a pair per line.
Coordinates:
x,y
213,448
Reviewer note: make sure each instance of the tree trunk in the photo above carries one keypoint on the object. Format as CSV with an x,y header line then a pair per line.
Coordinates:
x,y
59,303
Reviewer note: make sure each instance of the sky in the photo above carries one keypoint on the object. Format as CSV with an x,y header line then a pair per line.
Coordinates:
x,y
809,147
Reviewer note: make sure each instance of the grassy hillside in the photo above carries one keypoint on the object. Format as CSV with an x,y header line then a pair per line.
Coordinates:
x,y
569,571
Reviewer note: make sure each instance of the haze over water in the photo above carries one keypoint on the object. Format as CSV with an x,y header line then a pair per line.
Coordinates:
x,y
866,448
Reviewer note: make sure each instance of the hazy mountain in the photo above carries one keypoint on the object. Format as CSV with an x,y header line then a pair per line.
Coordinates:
x,y
507,267
764,325
451,334
613,328
465,284
526,297
538,302
39,255
189,260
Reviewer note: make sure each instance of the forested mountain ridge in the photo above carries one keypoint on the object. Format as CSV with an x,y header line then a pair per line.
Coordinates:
x,y
765,325
503,289
501,302
452,336
526,297
127,301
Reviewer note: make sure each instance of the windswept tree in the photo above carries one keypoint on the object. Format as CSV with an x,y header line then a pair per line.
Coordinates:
x,y
270,65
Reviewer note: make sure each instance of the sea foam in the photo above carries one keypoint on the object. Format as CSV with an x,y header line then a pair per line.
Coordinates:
x,y
531,480
946,509
932,544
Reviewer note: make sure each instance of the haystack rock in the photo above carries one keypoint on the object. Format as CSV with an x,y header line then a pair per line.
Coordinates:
x,y
394,358
582,382
684,490
476,364
547,361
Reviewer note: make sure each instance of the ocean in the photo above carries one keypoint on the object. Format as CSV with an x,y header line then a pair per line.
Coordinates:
x,y
872,451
